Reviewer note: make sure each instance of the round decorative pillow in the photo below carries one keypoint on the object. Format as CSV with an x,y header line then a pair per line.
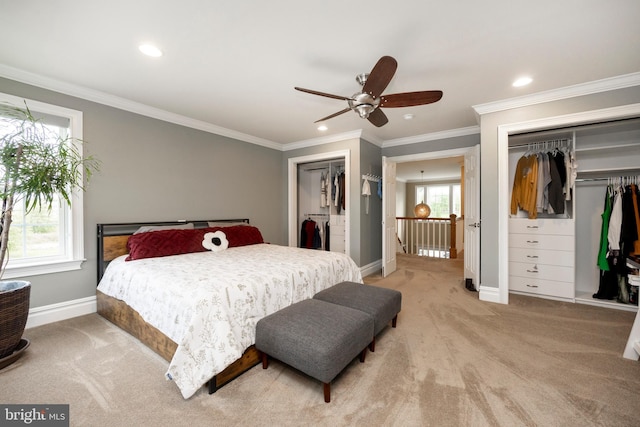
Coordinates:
x,y
216,241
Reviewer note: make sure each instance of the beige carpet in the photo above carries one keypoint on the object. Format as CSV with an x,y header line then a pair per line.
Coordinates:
x,y
452,361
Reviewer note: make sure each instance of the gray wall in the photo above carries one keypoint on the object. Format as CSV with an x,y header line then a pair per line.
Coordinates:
x,y
371,223
489,267
152,171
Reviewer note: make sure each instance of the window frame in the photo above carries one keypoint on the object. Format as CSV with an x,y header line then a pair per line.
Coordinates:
x,y
75,236
451,185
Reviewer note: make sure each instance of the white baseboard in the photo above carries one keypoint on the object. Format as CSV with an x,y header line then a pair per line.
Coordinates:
x,y
64,310
489,294
372,268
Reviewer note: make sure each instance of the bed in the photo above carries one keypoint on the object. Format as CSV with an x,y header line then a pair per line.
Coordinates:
x,y
197,308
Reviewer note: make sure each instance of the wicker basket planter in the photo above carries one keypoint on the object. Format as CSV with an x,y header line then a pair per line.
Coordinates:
x,y
14,310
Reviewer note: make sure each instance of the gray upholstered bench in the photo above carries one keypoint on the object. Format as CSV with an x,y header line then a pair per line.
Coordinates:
x,y
381,303
315,337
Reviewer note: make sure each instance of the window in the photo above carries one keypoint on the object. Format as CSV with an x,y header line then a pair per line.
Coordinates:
x,y
443,199
47,241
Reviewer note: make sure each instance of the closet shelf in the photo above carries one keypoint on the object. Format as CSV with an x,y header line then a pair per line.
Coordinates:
x,y
587,298
607,147
591,173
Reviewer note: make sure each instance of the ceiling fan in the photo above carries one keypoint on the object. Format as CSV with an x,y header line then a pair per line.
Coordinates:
x,y
367,103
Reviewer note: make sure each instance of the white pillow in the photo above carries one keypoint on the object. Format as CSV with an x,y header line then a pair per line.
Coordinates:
x,y
216,241
148,228
225,224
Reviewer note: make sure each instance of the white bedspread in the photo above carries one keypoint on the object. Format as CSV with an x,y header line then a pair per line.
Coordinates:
x,y
209,302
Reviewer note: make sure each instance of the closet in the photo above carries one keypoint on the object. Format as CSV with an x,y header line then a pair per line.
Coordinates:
x,y
322,205
554,255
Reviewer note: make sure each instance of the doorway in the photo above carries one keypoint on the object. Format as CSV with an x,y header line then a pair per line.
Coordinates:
x,y
387,255
293,213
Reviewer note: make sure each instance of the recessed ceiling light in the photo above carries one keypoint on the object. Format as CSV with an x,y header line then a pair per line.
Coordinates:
x,y
322,128
408,116
150,50
522,81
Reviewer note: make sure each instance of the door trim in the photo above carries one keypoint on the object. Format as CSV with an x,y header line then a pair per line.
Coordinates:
x,y
292,198
504,130
431,155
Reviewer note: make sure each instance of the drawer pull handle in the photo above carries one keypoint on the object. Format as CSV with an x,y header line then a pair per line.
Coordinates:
x,y
532,241
532,286
532,256
531,271
532,226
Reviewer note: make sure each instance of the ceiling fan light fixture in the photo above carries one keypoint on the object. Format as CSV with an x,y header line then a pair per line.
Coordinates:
x,y
368,101
364,110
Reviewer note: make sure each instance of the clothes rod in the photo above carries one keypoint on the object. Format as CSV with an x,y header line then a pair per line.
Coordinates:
x,y
534,143
631,179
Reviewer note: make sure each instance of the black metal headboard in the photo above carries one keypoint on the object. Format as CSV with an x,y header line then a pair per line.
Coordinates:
x,y
112,238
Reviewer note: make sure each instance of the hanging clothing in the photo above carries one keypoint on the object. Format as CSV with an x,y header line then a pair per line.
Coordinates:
x,y
336,190
619,232
327,234
310,235
544,179
628,233
556,193
615,222
366,192
603,264
542,182
636,213
524,194
324,201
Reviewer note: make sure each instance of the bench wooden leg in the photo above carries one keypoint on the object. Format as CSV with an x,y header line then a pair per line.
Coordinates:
x,y
394,321
265,361
327,392
372,345
363,353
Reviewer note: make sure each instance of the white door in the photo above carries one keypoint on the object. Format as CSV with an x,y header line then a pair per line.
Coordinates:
x,y
388,216
472,216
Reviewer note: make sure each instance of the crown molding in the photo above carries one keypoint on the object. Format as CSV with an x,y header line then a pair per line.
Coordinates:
x,y
322,140
597,86
369,137
434,136
127,105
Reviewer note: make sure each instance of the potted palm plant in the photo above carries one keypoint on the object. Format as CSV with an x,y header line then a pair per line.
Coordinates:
x,y
38,167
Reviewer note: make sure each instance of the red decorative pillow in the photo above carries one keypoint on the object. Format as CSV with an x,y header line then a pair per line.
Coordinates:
x,y
164,243
175,242
240,235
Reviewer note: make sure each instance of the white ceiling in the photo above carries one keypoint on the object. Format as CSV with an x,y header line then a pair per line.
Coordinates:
x,y
232,66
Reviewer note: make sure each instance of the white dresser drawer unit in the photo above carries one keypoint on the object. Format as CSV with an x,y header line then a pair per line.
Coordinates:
x,y
542,256
553,242
542,226
541,271
542,287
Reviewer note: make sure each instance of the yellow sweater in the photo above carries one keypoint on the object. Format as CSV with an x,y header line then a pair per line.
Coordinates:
x,y
525,187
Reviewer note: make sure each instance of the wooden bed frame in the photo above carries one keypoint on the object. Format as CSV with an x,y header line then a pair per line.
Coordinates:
x,y
112,243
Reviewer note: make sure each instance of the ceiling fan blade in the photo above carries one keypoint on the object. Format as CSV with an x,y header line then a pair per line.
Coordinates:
x,y
410,99
333,115
380,76
378,118
328,95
